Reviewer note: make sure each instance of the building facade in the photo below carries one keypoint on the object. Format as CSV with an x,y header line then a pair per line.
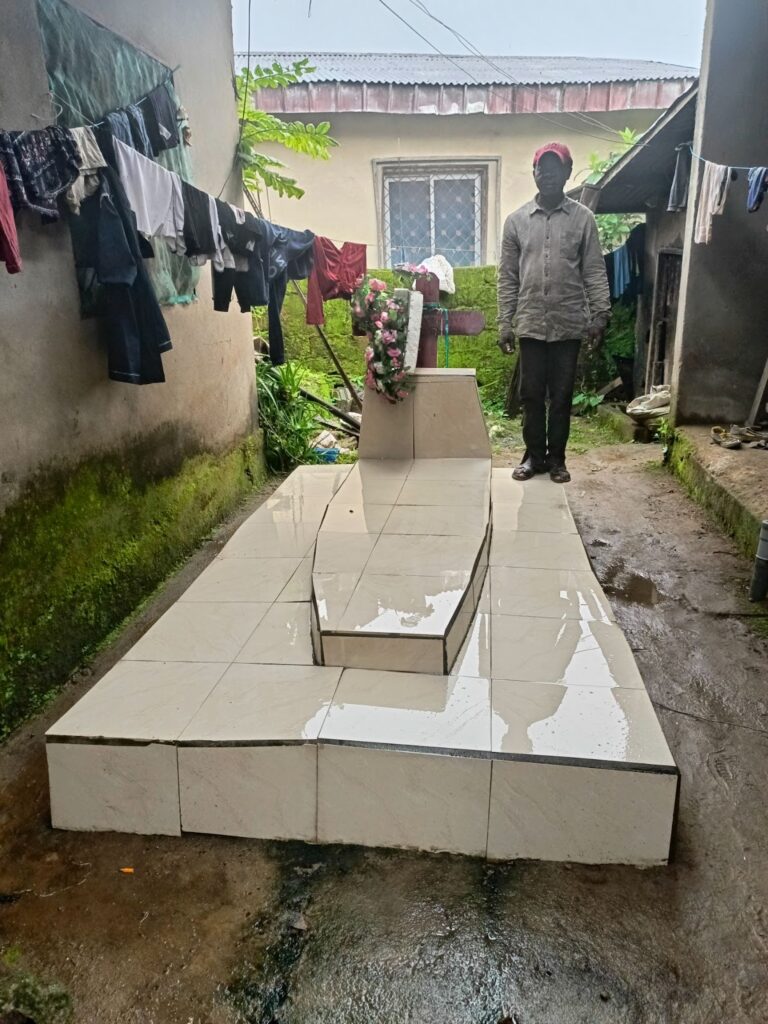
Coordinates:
x,y
434,152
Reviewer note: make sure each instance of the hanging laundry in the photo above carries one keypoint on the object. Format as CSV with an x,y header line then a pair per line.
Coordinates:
x,y
159,111
39,165
757,185
91,161
621,271
678,194
9,241
290,259
155,195
118,123
334,275
198,230
715,182
108,247
246,240
141,139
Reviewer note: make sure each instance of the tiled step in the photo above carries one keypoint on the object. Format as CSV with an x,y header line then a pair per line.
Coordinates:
x,y
396,584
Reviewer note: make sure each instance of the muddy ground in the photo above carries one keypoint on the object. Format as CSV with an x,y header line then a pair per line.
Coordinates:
x,y
217,931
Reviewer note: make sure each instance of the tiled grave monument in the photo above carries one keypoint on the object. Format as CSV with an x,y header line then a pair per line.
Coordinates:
x,y
409,652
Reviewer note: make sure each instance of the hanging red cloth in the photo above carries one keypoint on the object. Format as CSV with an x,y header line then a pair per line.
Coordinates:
x,y
9,241
334,275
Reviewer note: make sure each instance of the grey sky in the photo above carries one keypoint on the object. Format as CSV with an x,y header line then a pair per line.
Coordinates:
x,y
667,30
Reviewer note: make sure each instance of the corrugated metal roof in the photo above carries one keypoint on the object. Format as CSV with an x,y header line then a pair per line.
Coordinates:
x,y
433,69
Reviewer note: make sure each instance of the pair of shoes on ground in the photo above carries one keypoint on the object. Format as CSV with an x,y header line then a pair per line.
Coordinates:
x,y
529,468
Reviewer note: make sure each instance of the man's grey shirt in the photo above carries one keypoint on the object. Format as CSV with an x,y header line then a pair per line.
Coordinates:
x,y
552,278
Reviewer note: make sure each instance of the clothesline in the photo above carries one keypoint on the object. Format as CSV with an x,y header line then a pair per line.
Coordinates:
x,y
95,124
733,167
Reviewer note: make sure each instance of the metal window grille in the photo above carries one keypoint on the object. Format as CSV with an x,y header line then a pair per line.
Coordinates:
x,y
433,211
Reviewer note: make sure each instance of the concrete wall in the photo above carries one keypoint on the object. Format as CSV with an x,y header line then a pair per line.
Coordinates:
x,y
722,339
342,197
56,403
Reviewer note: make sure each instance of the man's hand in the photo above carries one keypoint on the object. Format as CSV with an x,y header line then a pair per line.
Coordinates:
x,y
507,340
596,335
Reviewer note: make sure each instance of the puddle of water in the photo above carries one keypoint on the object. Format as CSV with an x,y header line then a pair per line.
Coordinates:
x,y
631,587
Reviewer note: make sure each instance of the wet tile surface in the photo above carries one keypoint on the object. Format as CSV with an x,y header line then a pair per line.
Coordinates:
x,y
242,579
385,603
199,631
598,723
538,550
410,710
548,593
259,703
281,638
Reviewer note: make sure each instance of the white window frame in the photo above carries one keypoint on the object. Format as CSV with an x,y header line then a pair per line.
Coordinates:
x,y
432,171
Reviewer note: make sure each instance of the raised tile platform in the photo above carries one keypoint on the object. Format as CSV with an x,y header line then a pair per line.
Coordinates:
x,y
539,741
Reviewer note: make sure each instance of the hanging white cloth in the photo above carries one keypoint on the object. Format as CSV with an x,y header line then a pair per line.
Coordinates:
x,y
715,182
154,194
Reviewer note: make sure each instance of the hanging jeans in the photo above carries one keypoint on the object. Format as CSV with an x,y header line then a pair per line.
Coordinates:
x,y
547,371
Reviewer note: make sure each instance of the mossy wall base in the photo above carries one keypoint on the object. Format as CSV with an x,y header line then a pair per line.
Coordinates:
x,y
81,549
731,514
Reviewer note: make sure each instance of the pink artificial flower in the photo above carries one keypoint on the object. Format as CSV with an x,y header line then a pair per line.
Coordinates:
x,y
402,393
370,297
369,354
376,285
378,323
400,375
391,304
358,310
393,353
384,316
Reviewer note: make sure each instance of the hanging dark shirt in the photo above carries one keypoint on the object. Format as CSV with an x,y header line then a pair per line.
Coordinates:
x,y
290,259
120,126
39,165
107,245
245,239
159,112
141,140
198,230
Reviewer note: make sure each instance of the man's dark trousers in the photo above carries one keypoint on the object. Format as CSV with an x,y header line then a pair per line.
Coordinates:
x,y
547,371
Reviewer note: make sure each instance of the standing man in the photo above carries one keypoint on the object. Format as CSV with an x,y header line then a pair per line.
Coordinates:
x,y
553,291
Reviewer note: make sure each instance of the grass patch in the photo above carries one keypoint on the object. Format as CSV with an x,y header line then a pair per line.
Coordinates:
x,y
587,432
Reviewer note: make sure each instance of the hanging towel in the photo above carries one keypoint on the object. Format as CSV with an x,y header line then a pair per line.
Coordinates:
x,y
715,181
91,160
334,275
9,241
757,184
155,195
39,165
678,194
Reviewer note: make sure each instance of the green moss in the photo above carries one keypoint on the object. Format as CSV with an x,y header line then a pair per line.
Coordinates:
x,y
475,289
80,550
726,509
30,999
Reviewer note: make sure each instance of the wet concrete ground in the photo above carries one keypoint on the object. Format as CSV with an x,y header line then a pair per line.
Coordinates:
x,y
217,931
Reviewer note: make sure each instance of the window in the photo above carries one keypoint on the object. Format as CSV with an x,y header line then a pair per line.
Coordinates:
x,y
437,209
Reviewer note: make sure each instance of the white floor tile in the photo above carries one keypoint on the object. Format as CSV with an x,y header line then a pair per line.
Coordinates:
x,y
343,552
412,555
343,517
262,703
389,603
451,469
533,518
539,491
598,723
97,788
583,815
443,492
142,701
410,710
257,539
551,651
538,550
438,520
199,631
333,591
256,792
299,586
281,638
548,593
242,580
394,799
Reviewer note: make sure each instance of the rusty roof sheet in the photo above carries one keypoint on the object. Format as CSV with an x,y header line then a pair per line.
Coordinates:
x,y
434,69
